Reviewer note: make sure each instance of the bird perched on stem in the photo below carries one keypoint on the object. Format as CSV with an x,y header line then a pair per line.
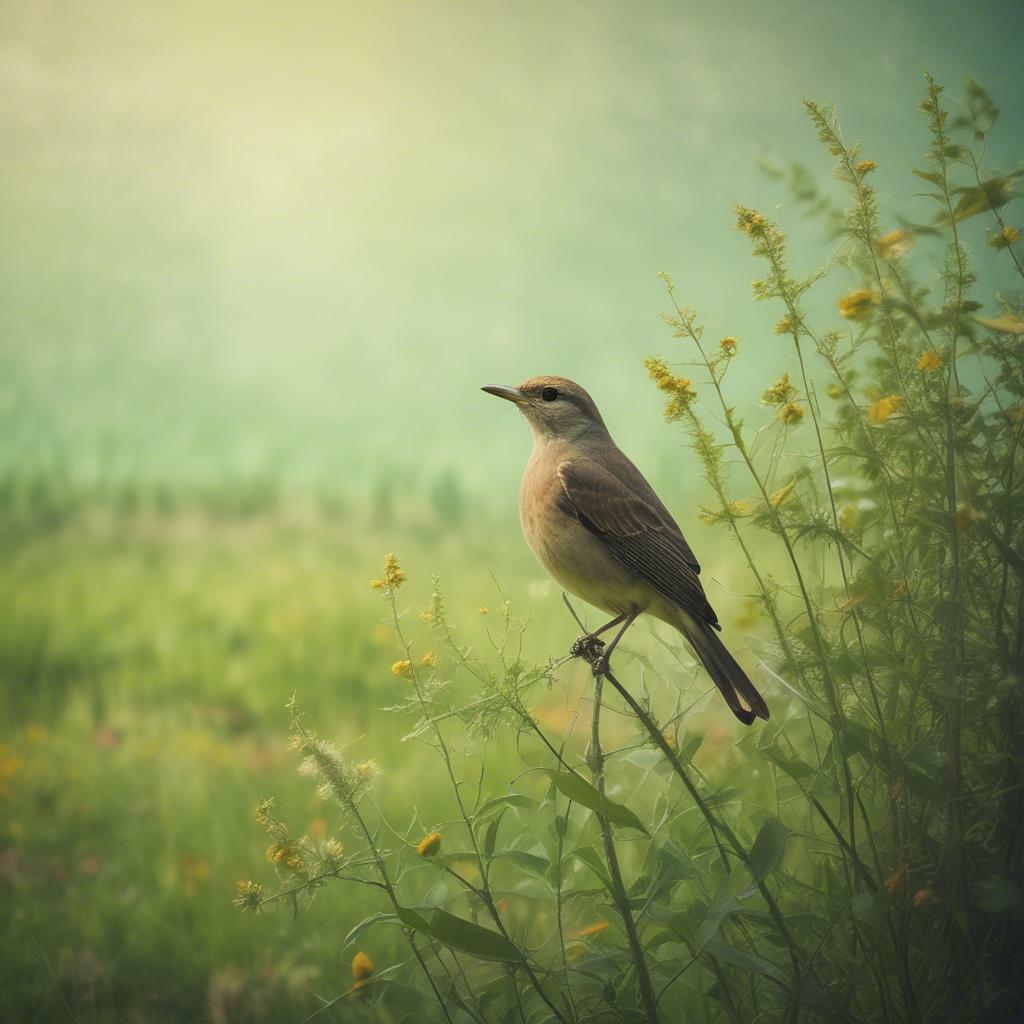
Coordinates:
x,y
598,528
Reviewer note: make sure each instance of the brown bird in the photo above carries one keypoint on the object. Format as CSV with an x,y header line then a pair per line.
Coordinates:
x,y
599,529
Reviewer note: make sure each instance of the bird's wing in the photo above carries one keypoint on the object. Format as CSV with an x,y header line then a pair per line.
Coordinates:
x,y
640,535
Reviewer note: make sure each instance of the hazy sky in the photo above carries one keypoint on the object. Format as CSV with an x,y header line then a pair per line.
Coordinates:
x,y
236,232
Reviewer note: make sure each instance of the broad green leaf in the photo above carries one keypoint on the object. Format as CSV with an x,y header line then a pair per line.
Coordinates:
x,y
725,899
577,789
766,852
462,935
531,863
588,856
745,961
504,802
366,924
491,836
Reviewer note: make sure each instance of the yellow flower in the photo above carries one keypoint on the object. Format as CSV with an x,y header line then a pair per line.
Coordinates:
x,y
780,392
482,610
429,845
966,517
750,222
402,669
362,969
429,660
930,360
679,389
592,929
333,849
849,519
1011,234
791,414
835,391
866,166
248,895
263,809
394,575
895,243
728,346
1005,238
783,495
784,326
284,853
857,305
669,736
880,411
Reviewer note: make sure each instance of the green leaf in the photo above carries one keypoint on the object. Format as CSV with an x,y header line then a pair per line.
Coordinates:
x,y
577,789
504,802
366,924
725,900
462,935
766,852
491,837
745,961
588,856
531,863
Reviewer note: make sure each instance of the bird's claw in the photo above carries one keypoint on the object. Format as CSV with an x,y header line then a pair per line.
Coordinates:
x,y
588,647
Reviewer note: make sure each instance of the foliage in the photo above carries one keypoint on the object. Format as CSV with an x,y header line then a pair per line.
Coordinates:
x,y
863,864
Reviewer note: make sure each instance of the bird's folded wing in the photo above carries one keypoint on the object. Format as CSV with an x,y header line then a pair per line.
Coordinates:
x,y
643,537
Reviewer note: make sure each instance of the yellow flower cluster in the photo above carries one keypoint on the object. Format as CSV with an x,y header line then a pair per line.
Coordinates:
x,y
857,305
728,347
784,326
429,660
866,167
679,389
284,854
429,844
835,391
402,668
930,360
394,575
880,411
895,243
780,392
1011,234
791,414
750,222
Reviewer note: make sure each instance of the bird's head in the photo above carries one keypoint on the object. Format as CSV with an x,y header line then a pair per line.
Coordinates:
x,y
554,407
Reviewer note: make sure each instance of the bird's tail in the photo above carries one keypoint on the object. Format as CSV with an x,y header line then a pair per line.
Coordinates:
x,y
739,692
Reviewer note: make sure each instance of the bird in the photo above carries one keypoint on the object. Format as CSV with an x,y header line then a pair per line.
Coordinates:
x,y
600,530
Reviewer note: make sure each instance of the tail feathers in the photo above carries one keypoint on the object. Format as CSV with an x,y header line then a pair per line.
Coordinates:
x,y
739,692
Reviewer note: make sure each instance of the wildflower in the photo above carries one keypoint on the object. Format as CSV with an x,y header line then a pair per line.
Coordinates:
x,y
402,668
930,360
284,853
900,589
592,929
367,770
728,347
791,414
849,519
263,809
248,895
895,243
679,389
782,495
835,391
429,660
866,167
880,411
502,906
394,575
482,610
966,517
1005,238
922,897
429,844
750,222
896,882
784,326
780,392
362,969
857,305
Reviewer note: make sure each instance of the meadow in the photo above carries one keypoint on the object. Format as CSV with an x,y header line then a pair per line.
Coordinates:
x,y
481,839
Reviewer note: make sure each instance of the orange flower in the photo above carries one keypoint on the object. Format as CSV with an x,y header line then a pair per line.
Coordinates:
x,y
896,882
362,969
923,896
591,930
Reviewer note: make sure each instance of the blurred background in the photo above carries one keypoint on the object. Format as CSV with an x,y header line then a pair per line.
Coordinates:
x,y
256,261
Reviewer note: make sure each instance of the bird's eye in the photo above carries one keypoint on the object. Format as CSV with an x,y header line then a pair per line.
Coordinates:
x,y
549,394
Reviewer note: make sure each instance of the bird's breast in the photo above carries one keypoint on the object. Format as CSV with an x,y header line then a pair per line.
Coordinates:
x,y
572,555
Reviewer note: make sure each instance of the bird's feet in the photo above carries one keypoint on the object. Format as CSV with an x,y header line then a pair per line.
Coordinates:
x,y
588,647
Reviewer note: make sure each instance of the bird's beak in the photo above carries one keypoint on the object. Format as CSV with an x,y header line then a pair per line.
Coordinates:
x,y
512,394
